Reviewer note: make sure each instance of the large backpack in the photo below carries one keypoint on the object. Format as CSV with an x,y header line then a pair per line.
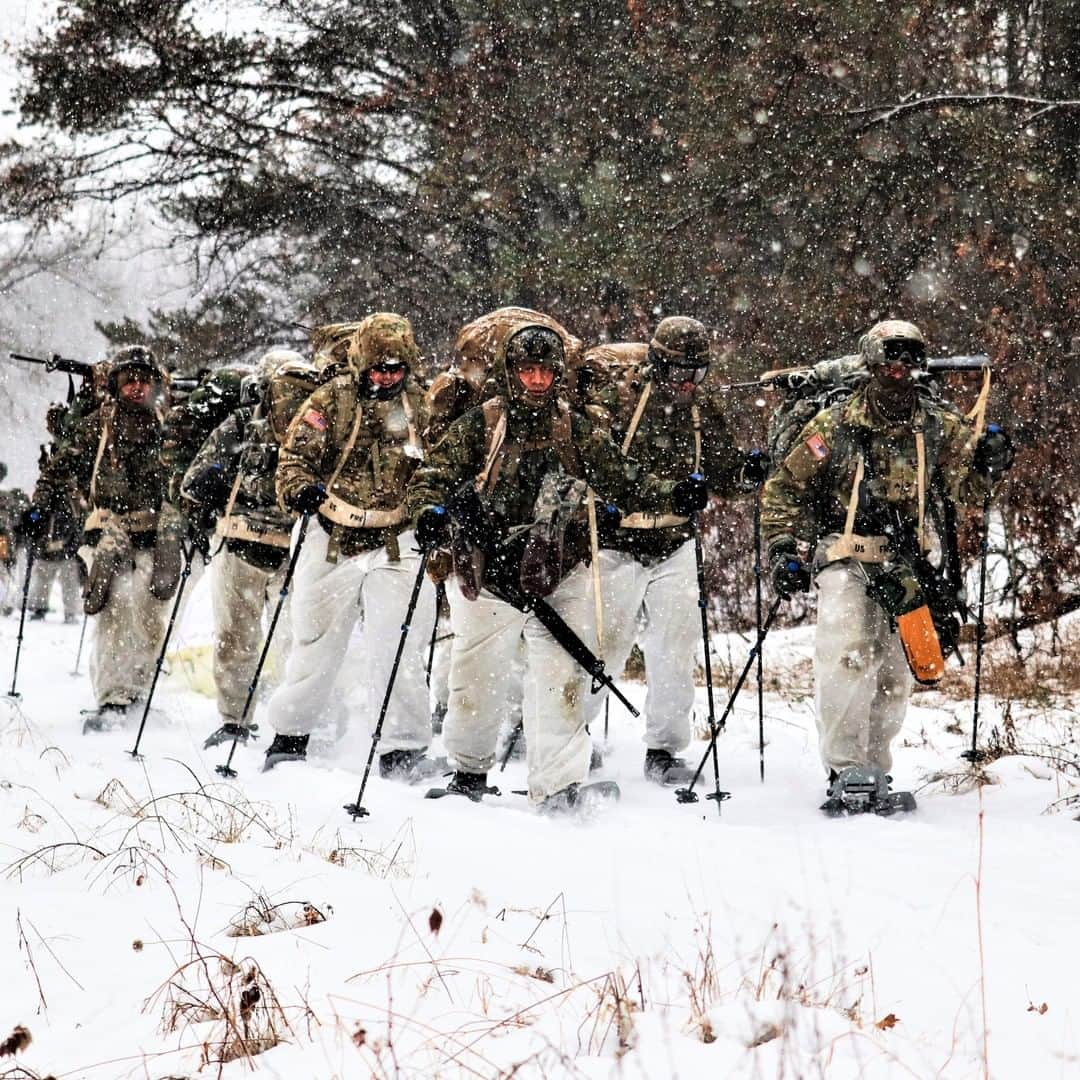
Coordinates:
x,y
292,384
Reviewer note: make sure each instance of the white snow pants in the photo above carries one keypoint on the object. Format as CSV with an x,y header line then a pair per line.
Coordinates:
x,y
657,607
862,678
242,594
327,600
127,637
488,634
43,575
12,579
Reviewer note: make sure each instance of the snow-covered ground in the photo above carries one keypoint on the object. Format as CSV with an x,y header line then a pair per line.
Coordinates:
x,y
445,939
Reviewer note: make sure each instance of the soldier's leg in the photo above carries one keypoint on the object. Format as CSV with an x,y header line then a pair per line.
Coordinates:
x,y
281,646
889,706
846,662
622,586
384,600
70,588
149,621
41,582
558,746
237,592
483,658
324,609
670,639
114,672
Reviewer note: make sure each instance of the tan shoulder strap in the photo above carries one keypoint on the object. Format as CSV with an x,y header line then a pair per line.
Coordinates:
x,y
562,435
978,411
852,508
920,483
635,420
695,414
494,437
347,449
227,516
106,431
416,447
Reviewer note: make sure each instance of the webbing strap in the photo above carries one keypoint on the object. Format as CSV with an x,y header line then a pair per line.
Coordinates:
x,y
495,428
635,420
920,483
695,414
106,428
349,443
978,411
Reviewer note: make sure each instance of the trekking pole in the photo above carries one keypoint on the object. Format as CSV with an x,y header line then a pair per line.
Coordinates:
x,y
699,556
757,621
519,727
82,638
227,769
184,575
975,755
440,593
13,693
355,809
688,794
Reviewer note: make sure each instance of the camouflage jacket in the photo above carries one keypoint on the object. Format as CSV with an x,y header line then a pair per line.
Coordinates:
x,y
244,447
13,504
112,460
461,456
373,473
189,424
664,443
808,495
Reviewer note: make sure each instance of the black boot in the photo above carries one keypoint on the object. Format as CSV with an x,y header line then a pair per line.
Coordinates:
x,y
285,748
472,785
37,614
229,731
412,766
579,799
662,767
104,717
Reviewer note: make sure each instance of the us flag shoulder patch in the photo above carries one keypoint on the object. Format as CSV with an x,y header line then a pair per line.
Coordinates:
x,y
818,447
314,418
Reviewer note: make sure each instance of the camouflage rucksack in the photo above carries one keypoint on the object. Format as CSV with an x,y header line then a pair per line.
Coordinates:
x,y
291,385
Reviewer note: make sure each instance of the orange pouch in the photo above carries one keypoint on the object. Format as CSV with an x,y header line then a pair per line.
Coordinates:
x,y
921,645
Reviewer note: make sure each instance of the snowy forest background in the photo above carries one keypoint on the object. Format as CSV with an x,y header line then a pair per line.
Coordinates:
x,y
204,175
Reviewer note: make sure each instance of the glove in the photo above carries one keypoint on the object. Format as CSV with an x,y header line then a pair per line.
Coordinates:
x,y
690,495
789,576
754,471
34,523
209,487
432,528
994,452
308,499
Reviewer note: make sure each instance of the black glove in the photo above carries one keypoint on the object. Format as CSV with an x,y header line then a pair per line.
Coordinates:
x,y
34,522
754,471
690,495
789,576
209,487
432,528
308,499
994,452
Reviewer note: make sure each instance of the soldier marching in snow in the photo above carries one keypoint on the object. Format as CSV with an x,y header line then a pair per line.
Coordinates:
x,y
486,475
13,551
857,489
233,477
656,402
112,462
346,460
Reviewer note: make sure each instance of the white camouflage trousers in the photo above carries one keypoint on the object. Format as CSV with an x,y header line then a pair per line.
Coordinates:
x,y
862,678
327,600
45,572
127,635
657,607
242,595
12,579
488,634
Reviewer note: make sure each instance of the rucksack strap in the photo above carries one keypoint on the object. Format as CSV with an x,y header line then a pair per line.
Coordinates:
x,y
494,437
347,449
635,420
106,431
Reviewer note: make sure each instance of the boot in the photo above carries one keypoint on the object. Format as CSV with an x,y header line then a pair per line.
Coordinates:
x,y
286,748
38,614
412,766
103,717
438,718
229,731
662,767
579,798
69,619
472,785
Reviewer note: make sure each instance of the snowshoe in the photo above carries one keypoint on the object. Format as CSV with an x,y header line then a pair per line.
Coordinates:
x,y
228,732
411,766
864,789
104,718
285,748
580,799
664,768
473,786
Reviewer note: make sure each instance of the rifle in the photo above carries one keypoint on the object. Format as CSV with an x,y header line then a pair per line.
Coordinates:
x,y
56,362
502,579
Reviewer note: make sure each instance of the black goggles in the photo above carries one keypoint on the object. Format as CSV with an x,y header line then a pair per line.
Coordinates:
x,y
390,368
687,372
904,351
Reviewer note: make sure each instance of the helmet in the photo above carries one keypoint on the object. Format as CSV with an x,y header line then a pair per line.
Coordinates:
x,y
129,359
877,344
331,342
537,345
383,338
253,385
680,342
